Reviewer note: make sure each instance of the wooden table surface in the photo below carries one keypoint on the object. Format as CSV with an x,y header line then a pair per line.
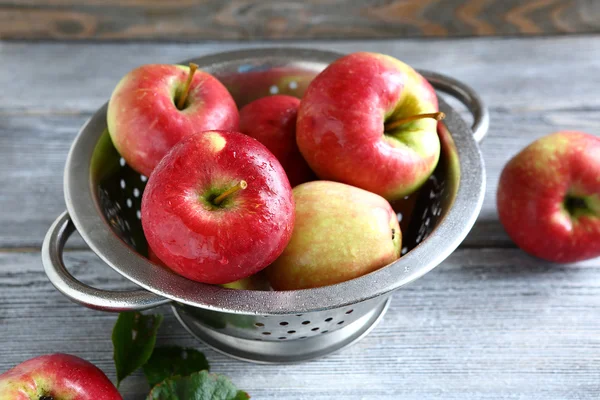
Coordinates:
x,y
489,323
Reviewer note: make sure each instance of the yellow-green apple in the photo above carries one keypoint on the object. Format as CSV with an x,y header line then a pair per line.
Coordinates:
x,y
56,377
272,121
370,121
218,207
549,197
341,232
154,106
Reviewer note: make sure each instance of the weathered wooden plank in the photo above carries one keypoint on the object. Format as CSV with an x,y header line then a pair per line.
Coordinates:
x,y
256,19
33,152
524,74
487,324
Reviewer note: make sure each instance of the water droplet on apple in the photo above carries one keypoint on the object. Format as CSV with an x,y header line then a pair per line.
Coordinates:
x,y
224,260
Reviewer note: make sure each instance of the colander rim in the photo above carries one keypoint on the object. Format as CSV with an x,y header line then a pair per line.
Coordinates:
x,y
85,212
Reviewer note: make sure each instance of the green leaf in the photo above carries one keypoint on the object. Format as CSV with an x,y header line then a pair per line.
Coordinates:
x,y
173,360
133,337
198,386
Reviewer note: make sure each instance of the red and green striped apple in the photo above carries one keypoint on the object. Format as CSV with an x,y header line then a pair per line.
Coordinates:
x,y
370,121
56,377
341,232
155,106
549,197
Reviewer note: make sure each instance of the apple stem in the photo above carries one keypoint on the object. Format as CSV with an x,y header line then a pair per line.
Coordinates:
x,y
438,116
240,186
186,88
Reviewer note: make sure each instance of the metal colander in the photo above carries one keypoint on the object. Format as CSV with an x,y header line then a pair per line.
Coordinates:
x,y
103,197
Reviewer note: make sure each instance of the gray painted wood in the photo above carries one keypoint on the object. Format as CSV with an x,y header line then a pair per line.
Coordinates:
x,y
487,324
524,74
533,87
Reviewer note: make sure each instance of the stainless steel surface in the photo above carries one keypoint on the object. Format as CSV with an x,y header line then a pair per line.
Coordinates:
x,y
103,198
106,300
278,328
285,351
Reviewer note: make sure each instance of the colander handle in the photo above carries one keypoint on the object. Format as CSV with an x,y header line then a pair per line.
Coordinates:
x,y
466,95
105,300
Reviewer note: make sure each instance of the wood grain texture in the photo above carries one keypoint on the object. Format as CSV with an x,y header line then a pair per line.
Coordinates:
x,y
487,324
533,87
294,19
522,74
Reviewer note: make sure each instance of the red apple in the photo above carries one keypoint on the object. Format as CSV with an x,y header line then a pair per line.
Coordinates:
x,y
341,232
549,197
145,117
218,207
369,120
154,258
272,121
56,377
253,282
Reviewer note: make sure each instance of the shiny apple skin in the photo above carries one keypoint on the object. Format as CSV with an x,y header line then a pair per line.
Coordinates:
x,y
144,122
253,282
272,121
341,232
57,376
532,194
340,129
218,244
